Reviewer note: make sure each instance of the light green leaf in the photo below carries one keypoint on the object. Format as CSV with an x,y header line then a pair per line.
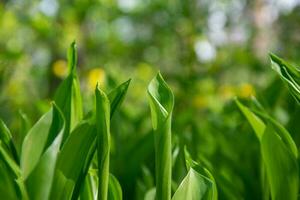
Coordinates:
x,y
39,182
114,189
198,183
150,194
279,155
37,140
117,95
256,123
103,134
68,97
282,133
71,160
194,187
90,187
281,166
161,102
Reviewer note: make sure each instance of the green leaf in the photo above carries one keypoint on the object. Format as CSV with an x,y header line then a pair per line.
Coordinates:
x,y
8,188
68,97
38,139
39,182
194,187
103,134
7,140
114,189
256,123
198,183
282,133
11,182
10,163
289,74
71,160
116,96
75,158
259,126
161,102
24,127
90,187
281,166
150,194
279,154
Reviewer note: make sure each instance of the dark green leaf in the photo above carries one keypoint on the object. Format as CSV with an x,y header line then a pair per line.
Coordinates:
x,y
7,140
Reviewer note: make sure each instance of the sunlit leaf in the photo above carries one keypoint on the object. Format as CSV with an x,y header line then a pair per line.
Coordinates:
x,y
194,186
68,97
161,102
71,160
39,137
103,134
256,123
198,183
39,182
150,194
116,96
289,74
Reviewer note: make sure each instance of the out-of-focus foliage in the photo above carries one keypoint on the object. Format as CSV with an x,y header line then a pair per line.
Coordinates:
x,y
207,51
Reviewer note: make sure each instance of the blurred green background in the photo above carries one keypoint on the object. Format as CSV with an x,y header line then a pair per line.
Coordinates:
x,y
208,51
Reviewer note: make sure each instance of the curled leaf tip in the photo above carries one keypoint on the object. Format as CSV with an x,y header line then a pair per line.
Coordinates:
x,y
159,90
99,92
161,100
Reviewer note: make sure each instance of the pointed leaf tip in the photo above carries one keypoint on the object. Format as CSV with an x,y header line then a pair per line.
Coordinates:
x,y
127,82
72,58
117,95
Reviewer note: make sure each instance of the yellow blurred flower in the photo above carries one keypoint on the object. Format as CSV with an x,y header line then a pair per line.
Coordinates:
x,y
227,92
95,76
200,101
246,90
144,71
60,68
